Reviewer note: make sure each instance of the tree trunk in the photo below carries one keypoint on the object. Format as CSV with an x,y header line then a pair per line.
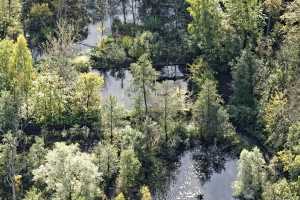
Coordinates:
x,y
166,117
133,10
124,10
12,169
111,123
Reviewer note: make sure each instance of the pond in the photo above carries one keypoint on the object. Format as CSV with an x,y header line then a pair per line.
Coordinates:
x,y
201,173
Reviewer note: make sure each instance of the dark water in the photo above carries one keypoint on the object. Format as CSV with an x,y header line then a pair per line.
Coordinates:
x,y
202,172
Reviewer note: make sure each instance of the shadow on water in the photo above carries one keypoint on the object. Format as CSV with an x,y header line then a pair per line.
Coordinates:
x,y
201,173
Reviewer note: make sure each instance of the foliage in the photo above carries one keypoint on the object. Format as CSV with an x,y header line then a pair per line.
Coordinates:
x,y
251,175
68,173
120,197
106,158
86,100
10,19
210,117
112,116
243,102
144,76
145,193
282,190
129,170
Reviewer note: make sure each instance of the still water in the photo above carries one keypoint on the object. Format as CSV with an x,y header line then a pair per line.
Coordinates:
x,y
201,173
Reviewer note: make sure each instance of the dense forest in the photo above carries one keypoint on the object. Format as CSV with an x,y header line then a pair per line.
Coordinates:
x,y
62,139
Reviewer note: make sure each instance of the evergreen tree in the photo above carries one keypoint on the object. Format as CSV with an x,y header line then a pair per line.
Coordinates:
x,y
144,76
129,170
243,102
106,158
210,117
112,116
246,17
10,18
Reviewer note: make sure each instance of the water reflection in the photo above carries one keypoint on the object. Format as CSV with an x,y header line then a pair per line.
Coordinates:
x,y
203,173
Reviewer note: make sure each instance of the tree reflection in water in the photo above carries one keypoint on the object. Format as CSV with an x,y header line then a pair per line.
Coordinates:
x,y
191,178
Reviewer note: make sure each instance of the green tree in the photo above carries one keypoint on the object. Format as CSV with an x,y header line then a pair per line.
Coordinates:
x,y
86,100
47,99
281,190
142,44
112,116
21,71
129,170
106,158
33,194
145,193
200,71
6,51
206,24
276,120
10,18
251,175
120,197
247,19
243,102
210,117
37,153
69,174
170,103
10,166
144,76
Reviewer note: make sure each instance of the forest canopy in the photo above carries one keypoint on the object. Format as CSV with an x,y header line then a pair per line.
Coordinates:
x,y
63,138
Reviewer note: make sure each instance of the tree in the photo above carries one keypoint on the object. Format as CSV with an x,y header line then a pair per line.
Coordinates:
x,y
129,170
17,72
273,8
145,193
281,190
124,10
209,29
170,102
10,165
69,174
276,120
206,24
47,99
86,100
131,138
144,76
33,194
21,70
243,102
106,158
112,116
200,71
120,197
210,117
36,154
10,18
246,17
6,51
251,175
74,11
142,46
38,21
